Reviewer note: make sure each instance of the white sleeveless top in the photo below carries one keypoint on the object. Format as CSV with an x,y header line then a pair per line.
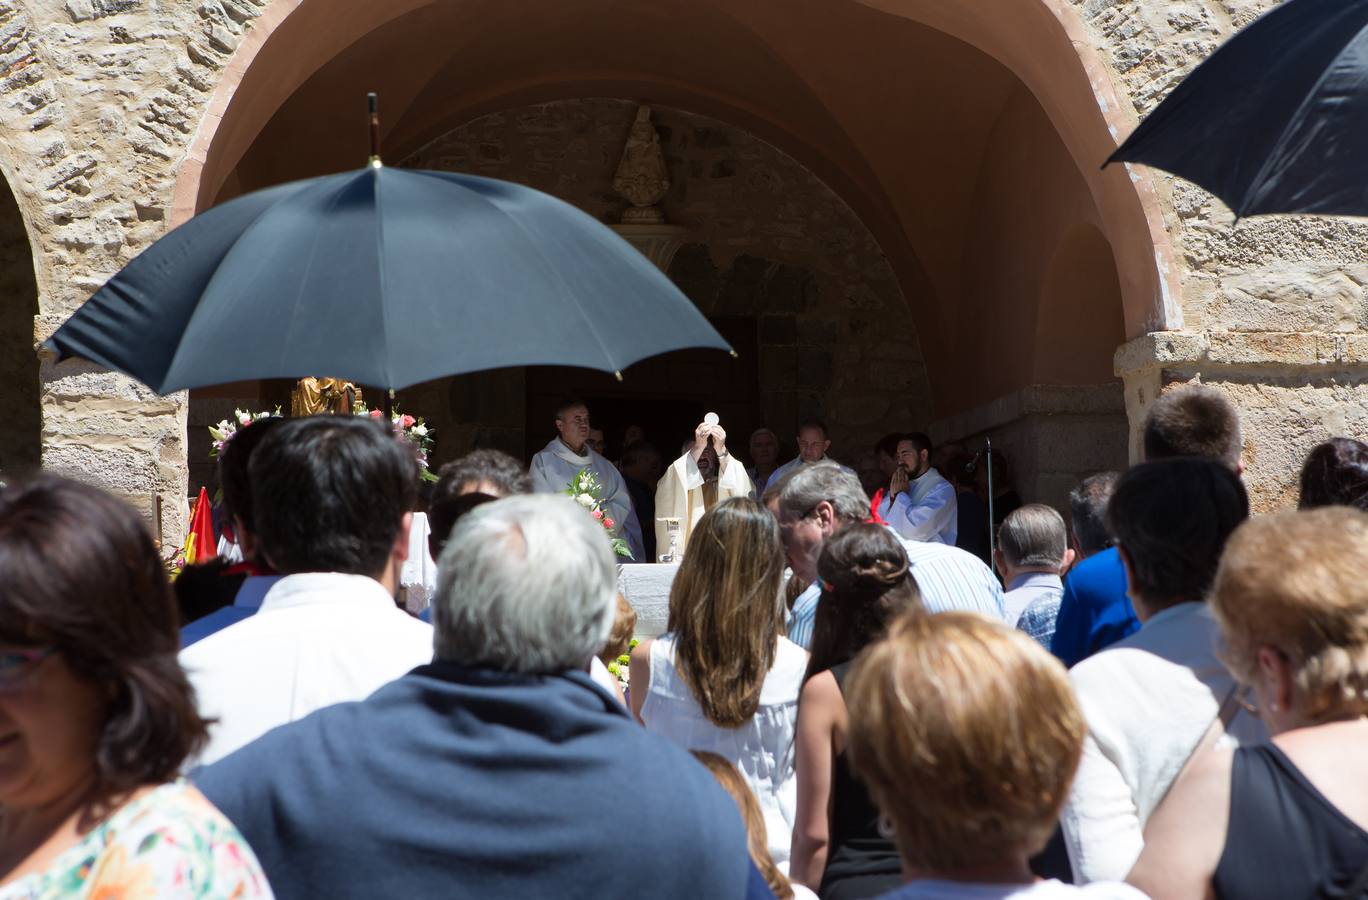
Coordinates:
x,y
761,749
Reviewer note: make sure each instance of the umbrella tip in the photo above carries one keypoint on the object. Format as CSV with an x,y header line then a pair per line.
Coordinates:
x,y
617,375
735,355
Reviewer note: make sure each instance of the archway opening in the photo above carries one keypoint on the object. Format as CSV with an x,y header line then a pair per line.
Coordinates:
x,y
20,446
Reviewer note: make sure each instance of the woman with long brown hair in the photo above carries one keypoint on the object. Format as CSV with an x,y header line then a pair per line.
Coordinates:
x,y
723,678
838,848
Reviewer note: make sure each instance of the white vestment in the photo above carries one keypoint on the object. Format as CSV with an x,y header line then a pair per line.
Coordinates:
x,y
556,465
681,495
927,511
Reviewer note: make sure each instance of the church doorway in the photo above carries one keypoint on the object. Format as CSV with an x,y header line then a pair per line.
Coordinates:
x,y
20,408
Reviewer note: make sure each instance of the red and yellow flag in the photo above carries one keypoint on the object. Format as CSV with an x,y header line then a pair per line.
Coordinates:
x,y
200,543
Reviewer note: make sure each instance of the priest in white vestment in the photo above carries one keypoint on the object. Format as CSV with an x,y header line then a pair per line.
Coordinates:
x,y
556,465
702,477
920,504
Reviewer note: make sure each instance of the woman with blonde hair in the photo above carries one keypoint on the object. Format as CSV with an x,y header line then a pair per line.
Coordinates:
x,y
1287,818
968,735
837,848
723,678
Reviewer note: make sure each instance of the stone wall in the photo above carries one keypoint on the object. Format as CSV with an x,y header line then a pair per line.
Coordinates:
x,y
98,99
1274,308
766,239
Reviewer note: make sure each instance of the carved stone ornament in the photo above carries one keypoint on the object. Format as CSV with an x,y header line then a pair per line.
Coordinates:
x,y
641,175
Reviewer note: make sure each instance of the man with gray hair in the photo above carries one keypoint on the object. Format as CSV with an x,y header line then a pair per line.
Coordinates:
x,y
484,773
814,502
1032,551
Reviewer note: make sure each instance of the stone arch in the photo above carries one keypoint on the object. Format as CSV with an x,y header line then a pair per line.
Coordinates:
x,y
1080,284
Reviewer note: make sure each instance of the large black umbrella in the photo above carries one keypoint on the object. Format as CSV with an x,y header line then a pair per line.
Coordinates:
x,y
386,277
1276,120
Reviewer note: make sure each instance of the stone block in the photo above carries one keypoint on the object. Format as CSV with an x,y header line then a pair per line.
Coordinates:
x,y
790,289
894,376
860,411
778,367
694,273
775,330
781,415
815,368
821,332
743,288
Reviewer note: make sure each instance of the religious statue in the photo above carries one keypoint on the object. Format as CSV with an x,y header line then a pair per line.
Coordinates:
x,y
641,175
313,396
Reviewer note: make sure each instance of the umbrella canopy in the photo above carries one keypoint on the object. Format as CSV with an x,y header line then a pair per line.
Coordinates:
x,y
386,277
1276,120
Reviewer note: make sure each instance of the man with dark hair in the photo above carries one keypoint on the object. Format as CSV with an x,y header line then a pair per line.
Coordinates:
x,y
331,500
919,503
1194,420
1188,421
1154,698
1094,612
215,595
569,453
489,472
813,444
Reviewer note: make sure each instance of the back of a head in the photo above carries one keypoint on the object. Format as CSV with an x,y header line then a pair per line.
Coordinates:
x,y
757,838
1088,509
802,489
445,513
329,494
725,608
866,582
525,584
1193,420
1335,474
929,707
1171,519
1033,536
233,465
1298,582
482,470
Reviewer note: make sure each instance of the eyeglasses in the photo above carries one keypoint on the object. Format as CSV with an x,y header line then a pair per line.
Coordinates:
x,y
16,665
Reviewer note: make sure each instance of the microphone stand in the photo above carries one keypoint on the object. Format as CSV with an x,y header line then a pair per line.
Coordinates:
x,y
992,532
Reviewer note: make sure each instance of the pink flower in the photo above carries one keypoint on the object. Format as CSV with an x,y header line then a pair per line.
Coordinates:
x,y
375,414
407,421
598,514
608,523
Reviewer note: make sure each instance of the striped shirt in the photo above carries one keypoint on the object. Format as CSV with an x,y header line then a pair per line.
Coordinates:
x,y
948,578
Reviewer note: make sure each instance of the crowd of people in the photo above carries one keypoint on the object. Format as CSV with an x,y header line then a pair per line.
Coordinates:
x,y
1161,697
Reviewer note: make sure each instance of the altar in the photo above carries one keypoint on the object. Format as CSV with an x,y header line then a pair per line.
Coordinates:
x,y
647,588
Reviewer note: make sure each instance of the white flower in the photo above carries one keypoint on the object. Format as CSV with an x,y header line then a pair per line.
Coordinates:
x,y
585,500
244,418
419,429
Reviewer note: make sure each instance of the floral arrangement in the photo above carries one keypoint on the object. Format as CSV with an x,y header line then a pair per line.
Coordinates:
x,y
618,668
585,490
226,428
407,428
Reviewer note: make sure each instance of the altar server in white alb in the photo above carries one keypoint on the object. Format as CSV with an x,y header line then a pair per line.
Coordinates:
x,y
556,465
702,477
920,504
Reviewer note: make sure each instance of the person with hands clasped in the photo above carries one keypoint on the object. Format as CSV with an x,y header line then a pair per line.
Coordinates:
x,y
703,476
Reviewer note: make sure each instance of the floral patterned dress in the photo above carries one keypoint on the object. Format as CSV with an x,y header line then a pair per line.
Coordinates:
x,y
170,842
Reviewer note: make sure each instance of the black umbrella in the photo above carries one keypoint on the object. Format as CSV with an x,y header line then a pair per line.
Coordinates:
x,y
1276,120
386,277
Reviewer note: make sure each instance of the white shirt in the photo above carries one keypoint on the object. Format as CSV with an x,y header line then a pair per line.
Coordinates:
x,y
927,511
928,889
320,638
556,465
680,495
1148,701
762,749
418,574
795,463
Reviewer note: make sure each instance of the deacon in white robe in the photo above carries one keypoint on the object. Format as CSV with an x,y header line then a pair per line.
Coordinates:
x,y
557,464
920,504
702,477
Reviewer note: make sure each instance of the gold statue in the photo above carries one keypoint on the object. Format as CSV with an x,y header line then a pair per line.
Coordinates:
x,y
312,396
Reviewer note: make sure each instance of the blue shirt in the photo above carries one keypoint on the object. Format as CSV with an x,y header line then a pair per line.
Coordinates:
x,y
245,605
1094,612
803,614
